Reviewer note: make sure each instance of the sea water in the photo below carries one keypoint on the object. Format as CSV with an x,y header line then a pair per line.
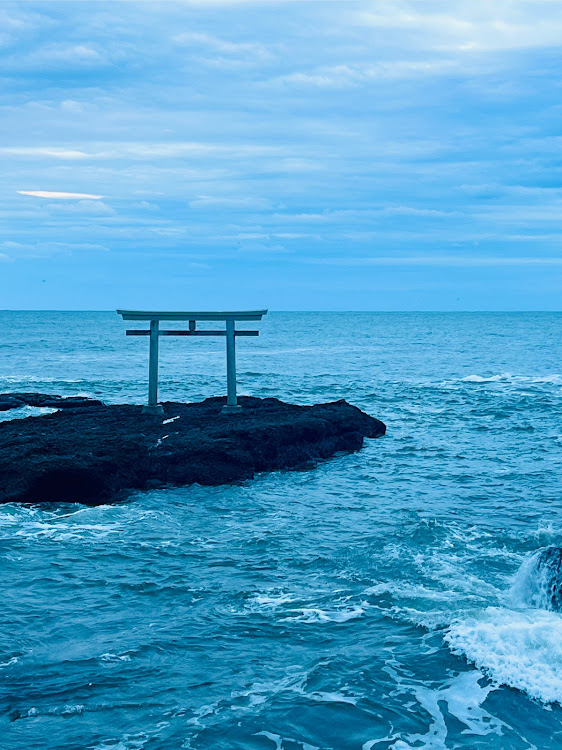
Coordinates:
x,y
381,600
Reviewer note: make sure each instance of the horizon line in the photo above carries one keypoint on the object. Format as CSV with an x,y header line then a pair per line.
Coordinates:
x,y
322,312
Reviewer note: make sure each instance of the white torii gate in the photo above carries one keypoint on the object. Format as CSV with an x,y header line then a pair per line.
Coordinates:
x,y
155,332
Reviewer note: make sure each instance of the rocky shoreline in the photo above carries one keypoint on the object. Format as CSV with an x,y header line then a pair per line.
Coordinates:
x,y
93,453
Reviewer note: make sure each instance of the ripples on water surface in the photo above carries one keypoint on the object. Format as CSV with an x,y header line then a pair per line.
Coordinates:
x,y
372,603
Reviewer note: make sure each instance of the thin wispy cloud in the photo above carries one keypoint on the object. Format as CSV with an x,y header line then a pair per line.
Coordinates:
x,y
60,195
40,250
223,46
470,25
441,261
48,152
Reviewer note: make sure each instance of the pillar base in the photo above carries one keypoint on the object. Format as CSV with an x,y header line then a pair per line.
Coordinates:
x,y
156,409
226,409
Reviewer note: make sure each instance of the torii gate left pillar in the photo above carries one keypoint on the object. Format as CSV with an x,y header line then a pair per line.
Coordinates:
x,y
230,333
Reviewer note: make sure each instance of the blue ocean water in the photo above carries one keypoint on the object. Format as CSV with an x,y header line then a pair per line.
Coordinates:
x,y
380,601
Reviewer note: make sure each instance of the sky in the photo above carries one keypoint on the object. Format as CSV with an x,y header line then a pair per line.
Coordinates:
x,y
291,155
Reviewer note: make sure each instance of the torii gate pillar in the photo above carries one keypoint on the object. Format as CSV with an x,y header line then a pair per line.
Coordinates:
x,y
231,400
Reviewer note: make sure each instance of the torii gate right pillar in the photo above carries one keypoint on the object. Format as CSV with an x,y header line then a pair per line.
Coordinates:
x,y
232,405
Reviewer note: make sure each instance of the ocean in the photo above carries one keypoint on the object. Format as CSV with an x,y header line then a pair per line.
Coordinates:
x,y
384,600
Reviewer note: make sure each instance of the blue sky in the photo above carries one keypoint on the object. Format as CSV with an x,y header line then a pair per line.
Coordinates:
x,y
376,155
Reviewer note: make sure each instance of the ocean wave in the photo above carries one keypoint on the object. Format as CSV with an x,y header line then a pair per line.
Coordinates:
x,y
554,379
270,600
534,584
518,648
482,379
316,615
26,411
39,379
519,643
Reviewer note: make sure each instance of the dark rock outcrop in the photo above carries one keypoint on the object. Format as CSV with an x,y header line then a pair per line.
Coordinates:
x,y
15,400
92,453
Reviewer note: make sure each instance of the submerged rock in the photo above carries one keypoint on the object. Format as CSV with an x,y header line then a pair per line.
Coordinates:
x,y
93,453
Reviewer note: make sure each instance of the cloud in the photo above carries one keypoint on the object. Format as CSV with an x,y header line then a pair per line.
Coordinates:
x,y
59,56
354,215
248,246
408,131
15,250
412,211
197,39
235,2
437,260
8,21
242,203
43,151
147,151
82,207
469,25
345,76
522,214
57,195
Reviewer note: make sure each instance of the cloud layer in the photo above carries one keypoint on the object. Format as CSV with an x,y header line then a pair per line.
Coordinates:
x,y
298,155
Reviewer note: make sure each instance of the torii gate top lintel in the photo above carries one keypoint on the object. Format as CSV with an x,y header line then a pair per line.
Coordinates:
x,y
208,315
229,332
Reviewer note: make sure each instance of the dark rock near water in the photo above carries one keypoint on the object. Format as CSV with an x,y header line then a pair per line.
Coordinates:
x,y
92,453
549,567
16,400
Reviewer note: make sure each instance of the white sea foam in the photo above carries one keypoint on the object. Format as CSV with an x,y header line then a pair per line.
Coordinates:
x,y
64,532
25,411
553,379
404,589
72,710
508,634
278,740
518,648
115,658
324,697
127,742
482,379
12,660
271,600
463,696
314,615
37,379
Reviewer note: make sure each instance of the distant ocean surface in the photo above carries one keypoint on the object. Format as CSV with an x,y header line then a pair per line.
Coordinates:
x,y
380,601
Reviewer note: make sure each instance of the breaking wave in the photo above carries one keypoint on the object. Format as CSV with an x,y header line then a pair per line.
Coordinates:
x,y
519,645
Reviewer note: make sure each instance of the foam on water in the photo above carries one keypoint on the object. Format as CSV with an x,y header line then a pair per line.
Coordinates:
x,y
521,649
317,615
516,640
483,379
25,411
461,697
518,644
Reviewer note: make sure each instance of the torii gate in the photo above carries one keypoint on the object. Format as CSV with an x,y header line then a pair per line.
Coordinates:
x,y
155,332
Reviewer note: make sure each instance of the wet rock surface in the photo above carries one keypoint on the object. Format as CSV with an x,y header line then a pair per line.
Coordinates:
x,y
92,453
